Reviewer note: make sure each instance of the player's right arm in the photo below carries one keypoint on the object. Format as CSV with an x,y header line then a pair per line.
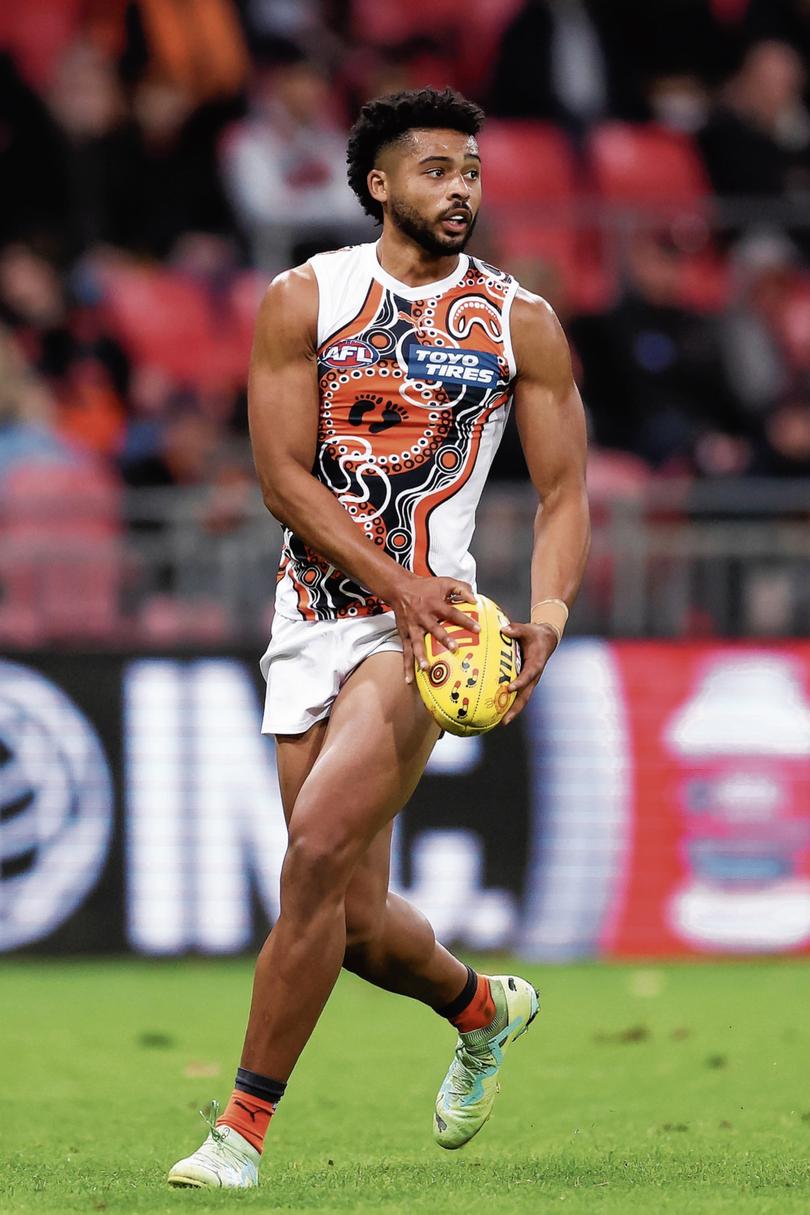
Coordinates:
x,y
283,415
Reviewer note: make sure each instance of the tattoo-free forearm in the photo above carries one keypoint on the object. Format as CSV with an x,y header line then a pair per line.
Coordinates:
x,y
562,537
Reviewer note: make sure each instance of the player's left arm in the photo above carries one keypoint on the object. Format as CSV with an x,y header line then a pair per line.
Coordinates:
x,y
551,425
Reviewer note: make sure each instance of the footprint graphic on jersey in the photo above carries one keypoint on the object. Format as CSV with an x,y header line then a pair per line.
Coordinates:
x,y
392,414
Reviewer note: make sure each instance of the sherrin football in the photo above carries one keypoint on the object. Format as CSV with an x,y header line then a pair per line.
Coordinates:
x,y
465,690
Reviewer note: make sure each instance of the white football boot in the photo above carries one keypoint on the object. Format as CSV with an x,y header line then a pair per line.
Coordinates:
x,y
225,1161
469,1089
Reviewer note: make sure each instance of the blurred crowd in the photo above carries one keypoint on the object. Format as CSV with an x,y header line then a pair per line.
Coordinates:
x,y
647,168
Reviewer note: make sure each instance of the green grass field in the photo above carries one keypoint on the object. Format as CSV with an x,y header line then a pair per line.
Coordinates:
x,y
639,1089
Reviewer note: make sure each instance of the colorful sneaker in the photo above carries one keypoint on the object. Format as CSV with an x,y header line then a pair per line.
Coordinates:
x,y
225,1160
464,1101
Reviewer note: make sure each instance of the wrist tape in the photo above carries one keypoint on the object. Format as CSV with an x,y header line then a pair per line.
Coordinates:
x,y
552,612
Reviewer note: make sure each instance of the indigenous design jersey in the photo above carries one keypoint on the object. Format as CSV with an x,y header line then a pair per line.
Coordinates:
x,y
414,387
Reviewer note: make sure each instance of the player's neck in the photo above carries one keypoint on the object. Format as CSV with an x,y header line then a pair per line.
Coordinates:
x,y
409,264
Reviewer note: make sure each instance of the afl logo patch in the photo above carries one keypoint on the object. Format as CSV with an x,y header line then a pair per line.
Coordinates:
x,y
350,354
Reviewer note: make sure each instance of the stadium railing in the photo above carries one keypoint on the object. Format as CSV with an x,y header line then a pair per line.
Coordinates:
x,y
669,559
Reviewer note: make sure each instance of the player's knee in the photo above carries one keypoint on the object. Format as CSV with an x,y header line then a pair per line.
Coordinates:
x,y
316,861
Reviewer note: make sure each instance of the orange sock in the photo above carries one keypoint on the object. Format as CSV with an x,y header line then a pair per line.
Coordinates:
x,y
480,1011
248,1115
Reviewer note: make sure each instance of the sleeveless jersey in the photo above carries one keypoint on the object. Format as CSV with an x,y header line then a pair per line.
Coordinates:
x,y
414,391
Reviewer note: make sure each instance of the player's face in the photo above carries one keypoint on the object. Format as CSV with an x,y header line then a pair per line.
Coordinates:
x,y
433,183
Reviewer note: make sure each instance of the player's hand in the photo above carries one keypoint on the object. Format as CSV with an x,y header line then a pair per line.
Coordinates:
x,y
537,643
425,605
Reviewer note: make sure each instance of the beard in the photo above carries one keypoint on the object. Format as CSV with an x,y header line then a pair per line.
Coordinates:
x,y
422,232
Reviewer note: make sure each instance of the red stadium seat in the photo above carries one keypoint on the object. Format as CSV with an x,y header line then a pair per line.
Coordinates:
x,y
658,174
647,166
387,24
168,320
470,31
532,187
36,35
525,163
61,561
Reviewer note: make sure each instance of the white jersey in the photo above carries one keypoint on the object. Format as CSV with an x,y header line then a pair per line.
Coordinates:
x,y
414,392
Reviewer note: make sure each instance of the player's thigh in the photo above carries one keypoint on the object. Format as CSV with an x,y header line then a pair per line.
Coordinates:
x,y
295,755
377,742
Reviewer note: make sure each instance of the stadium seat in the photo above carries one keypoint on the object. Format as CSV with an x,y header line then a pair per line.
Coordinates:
x,y
36,35
168,320
470,32
657,175
532,189
648,166
61,562
389,24
706,281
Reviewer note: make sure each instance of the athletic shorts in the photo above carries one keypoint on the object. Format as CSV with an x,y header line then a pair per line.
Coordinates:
x,y
308,661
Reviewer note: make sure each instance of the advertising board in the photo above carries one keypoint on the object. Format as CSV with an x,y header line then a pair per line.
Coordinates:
x,y
654,800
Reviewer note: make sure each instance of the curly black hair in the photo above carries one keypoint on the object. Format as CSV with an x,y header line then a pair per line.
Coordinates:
x,y
387,119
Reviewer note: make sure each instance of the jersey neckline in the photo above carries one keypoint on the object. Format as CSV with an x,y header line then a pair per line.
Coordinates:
x,y
424,290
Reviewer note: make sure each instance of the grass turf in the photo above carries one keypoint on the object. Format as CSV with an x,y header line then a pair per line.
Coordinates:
x,y
639,1089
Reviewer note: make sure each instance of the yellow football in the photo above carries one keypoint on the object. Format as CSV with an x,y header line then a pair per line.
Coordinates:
x,y
466,690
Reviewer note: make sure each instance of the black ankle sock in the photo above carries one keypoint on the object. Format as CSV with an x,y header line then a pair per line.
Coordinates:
x,y
259,1086
463,999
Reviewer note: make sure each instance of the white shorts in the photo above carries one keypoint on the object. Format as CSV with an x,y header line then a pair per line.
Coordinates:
x,y
308,661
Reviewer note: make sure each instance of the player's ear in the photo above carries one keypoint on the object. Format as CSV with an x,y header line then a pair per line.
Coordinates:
x,y
378,185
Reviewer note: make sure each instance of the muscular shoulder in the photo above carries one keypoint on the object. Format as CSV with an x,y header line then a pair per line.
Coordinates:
x,y
540,346
289,309
295,289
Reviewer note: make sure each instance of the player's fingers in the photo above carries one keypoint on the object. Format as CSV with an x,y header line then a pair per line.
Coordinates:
x,y
407,657
436,629
529,675
520,702
417,640
452,615
459,592
515,629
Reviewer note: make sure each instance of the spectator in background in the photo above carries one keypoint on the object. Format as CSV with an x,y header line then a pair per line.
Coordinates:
x,y
583,61
183,449
26,413
765,268
783,447
93,177
196,44
562,60
653,373
757,138
671,39
64,339
177,185
31,198
285,164
782,20
311,24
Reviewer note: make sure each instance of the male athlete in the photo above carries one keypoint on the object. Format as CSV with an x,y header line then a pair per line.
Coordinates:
x,y
380,385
